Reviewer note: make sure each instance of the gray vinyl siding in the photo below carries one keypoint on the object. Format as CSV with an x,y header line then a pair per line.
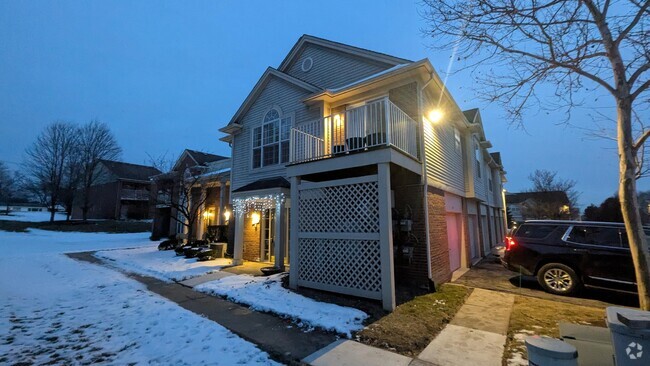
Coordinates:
x,y
276,92
331,68
480,184
444,163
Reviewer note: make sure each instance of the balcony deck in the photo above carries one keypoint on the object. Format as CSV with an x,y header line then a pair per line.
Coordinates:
x,y
375,125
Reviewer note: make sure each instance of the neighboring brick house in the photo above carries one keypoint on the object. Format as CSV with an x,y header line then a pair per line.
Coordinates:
x,y
122,191
360,171
211,187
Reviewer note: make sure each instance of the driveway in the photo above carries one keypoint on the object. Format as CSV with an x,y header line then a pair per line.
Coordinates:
x,y
491,275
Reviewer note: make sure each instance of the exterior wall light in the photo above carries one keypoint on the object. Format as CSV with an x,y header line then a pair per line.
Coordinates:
x,y
434,116
226,215
255,219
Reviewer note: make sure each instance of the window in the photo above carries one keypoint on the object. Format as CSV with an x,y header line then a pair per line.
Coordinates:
x,y
535,231
490,184
601,236
457,138
271,140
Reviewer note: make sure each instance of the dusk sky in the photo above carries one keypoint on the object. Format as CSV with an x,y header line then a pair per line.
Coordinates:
x,y
167,75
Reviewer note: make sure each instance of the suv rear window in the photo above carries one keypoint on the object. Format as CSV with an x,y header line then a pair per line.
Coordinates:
x,y
601,236
534,231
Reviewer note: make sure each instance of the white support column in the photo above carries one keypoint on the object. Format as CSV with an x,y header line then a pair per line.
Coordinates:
x,y
200,222
239,238
295,227
279,236
386,239
222,202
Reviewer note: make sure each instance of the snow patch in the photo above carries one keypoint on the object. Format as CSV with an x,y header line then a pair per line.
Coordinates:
x,y
267,294
163,265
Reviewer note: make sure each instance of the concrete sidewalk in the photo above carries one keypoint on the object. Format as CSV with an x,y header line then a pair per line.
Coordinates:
x,y
476,335
281,339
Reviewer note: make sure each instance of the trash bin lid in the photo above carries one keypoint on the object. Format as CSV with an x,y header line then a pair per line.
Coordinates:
x,y
624,320
551,348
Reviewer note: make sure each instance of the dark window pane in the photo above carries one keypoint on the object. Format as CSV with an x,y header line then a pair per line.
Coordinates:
x,y
270,155
257,158
271,133
284,151
603,236
257,136
285,128
534,231
271,115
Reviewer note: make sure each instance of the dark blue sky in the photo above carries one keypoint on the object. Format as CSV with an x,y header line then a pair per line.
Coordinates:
x,y
166,75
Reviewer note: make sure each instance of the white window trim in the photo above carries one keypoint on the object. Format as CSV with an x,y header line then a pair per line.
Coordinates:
x,y
262,167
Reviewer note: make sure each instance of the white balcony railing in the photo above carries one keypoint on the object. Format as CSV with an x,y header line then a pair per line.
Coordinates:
x,y
376,124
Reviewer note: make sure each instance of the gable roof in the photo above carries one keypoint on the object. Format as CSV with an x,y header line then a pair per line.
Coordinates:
x,y
130,171
198,157
202,158
361,52
257,89
548,197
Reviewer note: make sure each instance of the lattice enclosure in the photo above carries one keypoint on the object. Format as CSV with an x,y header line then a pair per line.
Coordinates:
x,y
327,259
352,264
352,208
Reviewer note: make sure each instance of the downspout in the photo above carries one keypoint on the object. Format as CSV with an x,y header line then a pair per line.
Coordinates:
x,y
425,184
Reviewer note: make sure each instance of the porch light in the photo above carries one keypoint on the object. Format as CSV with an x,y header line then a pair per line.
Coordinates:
x,y
434,116
226,215
255,218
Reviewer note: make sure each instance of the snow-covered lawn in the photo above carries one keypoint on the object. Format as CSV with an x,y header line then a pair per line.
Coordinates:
x,y
59,311
163,265
27,216
267,294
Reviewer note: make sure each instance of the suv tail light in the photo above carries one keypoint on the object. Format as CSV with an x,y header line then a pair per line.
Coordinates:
x,y
510,242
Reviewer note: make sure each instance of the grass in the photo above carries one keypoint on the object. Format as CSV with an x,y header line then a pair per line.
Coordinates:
x,y
106,226
542,317
413,325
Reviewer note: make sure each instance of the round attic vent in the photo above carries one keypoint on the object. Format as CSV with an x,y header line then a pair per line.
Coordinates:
x,y
307,64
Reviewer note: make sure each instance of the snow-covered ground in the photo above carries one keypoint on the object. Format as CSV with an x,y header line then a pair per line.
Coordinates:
x,y
163,265
260,293
267,294
27,216
59,311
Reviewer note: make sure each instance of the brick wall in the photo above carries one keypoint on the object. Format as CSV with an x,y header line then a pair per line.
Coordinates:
x,y
440,269
417,272
251,240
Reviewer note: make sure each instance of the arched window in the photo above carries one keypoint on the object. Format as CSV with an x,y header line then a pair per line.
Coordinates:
x,y
271,139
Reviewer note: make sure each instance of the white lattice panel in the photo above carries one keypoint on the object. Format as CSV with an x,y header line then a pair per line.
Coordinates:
x,y
338,241
351,208
349,264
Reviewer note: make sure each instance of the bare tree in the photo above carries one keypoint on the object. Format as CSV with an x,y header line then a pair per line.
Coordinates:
x,y
162,162
6,185
47,159
96,143
177,189
71,180
578,48
548,181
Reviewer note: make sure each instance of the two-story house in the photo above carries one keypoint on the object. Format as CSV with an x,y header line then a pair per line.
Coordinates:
x,y
359,171
121,191
200,182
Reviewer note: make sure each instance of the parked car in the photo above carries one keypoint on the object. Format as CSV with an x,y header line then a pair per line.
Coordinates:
x,y
566,255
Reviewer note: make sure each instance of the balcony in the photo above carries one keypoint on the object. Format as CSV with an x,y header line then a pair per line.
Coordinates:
x,y
134,194
373,125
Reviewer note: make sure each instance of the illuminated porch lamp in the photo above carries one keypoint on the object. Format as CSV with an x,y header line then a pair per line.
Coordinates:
x,y
255,219
226,215
434,115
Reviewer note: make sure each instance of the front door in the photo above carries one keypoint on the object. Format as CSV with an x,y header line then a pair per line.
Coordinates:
x,y
453,239
268,233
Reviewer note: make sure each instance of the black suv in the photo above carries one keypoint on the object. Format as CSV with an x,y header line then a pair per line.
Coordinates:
x,y
565,255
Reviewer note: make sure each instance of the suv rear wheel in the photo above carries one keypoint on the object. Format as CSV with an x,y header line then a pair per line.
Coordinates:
x,y
558,279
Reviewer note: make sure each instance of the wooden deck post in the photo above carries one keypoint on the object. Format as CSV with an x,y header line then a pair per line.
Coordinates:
x,y
386,238
295,227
